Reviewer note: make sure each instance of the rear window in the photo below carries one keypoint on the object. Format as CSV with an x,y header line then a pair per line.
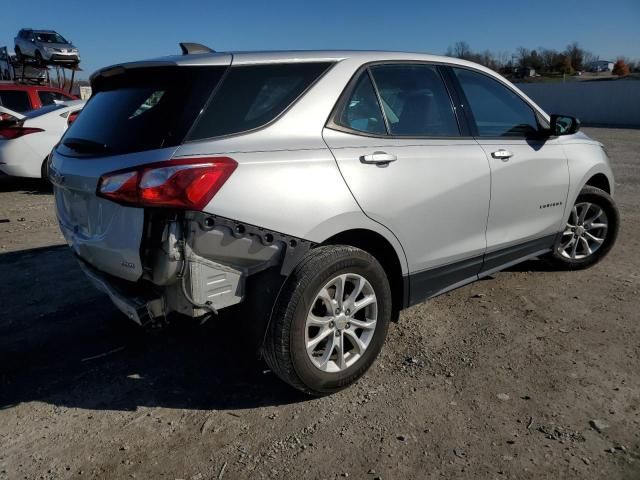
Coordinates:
x,y
252,96
16,100
141,109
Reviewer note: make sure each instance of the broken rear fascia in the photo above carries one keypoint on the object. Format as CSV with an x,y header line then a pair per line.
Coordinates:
x,y
256,241
221,254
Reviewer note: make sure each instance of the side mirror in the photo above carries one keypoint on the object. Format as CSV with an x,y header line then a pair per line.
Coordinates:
x,y
564,125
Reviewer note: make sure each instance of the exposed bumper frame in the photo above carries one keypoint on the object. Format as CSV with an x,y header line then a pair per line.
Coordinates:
x,y
211,279
140,310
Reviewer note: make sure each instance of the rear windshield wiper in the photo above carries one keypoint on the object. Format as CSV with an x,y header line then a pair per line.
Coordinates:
x,y
83,145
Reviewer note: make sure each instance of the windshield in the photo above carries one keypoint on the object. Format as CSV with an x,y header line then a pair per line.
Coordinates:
x,y
49,37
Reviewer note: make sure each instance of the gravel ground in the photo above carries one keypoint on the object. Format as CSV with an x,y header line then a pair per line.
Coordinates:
x,y
532,374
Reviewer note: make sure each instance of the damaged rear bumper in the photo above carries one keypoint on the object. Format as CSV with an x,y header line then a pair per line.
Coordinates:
x,y
200,265
138,308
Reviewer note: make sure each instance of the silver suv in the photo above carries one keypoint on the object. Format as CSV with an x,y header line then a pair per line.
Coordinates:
x,y
317,194
45,46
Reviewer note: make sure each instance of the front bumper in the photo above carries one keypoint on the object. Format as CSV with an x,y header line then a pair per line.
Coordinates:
x,y
62,57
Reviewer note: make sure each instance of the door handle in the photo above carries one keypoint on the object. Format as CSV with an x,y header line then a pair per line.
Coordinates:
x,y
502,154
378,158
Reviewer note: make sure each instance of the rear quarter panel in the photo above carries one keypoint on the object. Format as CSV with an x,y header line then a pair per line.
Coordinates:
x,y
299,193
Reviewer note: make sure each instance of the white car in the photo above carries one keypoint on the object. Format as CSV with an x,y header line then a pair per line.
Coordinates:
x,y
26,139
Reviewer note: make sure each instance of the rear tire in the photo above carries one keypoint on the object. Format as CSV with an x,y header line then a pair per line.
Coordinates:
x,y
38,57
353,325
590,233
18,54
44,174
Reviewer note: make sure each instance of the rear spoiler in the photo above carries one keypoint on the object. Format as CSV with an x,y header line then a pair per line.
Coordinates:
x,y
121,68
187,48
11,113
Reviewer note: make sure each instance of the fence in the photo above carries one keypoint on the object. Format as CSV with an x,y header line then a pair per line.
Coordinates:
x,y
613,103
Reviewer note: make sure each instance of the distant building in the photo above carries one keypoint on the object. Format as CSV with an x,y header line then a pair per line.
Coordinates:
x,y
85,92
601,66
523,72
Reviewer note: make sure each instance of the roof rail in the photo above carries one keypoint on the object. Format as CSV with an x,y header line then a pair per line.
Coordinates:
x,y
191,48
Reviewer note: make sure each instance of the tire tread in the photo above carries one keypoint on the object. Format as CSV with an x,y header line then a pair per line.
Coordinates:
x,y
277,348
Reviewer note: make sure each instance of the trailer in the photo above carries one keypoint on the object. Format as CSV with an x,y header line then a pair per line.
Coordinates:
x,y
30,71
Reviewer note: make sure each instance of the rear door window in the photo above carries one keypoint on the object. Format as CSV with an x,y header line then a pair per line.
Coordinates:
x,y
16,100
362,111
141,109
415,101
252,96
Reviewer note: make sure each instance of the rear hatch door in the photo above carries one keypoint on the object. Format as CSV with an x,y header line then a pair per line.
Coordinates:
x,y
138,114
104,233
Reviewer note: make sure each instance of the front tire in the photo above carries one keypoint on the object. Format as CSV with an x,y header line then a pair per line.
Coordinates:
x,y
330,320
590,233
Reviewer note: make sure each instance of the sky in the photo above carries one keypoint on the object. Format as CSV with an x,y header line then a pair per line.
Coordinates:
x,y
113,31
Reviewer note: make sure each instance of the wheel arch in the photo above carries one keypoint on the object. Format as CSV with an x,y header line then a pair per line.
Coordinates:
x,y
599,180
585,170
382,249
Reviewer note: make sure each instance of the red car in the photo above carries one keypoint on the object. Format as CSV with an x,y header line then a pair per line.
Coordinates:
x,y
22,98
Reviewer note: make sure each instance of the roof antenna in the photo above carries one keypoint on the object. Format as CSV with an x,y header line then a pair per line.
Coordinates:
x,y
191,48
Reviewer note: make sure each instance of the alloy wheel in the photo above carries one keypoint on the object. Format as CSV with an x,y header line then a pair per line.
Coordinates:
x,y
585,232
341,322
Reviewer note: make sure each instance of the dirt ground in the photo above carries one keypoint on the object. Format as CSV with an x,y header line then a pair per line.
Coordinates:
x,y
500,379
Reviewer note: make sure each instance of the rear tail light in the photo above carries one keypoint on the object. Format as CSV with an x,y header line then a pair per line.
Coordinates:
x,y
16,132
185,184
72,117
